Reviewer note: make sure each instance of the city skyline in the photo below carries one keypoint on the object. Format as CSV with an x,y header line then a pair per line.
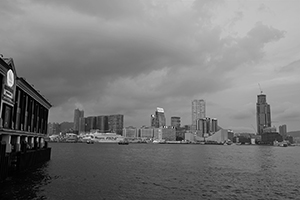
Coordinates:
x,y
129,56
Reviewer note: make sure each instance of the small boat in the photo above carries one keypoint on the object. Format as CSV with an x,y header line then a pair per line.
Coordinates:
x,y
90,142
123,142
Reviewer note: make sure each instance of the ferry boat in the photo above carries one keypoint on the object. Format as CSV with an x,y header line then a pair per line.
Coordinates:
x,y
103,137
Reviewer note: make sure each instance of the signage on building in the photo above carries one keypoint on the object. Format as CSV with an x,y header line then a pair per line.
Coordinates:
x,y
10,80
9,86
161,110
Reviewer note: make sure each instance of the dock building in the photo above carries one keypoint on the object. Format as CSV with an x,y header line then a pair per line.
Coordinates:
x,y
23,122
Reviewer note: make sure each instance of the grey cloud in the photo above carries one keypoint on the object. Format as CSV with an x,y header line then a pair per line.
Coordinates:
x,y
291,67
107,9
264,34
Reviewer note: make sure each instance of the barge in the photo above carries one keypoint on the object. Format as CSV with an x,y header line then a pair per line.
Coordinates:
x,y
23,123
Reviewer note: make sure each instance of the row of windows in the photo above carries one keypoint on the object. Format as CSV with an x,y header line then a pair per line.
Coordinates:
x,y
26,115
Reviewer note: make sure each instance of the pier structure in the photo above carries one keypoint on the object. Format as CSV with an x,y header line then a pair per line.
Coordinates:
x,y
23,122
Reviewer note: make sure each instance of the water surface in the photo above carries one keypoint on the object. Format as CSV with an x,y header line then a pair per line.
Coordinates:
x,y
160,171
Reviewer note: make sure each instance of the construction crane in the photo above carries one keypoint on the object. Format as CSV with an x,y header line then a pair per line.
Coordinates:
x,y
260,88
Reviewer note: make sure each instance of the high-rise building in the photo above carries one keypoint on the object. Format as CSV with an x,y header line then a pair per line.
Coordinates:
x,y
102,123
263,113
214,125
283,131
175,122
115,123
90,123
77,115
198,111
158,120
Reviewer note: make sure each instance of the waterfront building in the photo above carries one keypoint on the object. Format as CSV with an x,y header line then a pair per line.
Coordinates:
x,y
189,136
115,123
23,121
168,134
146,133
198,111
157,134
53,129
270,138
77,115
180,133
81,125
158,120
204,126
214,125
283,131
220,136
90,123
102,123
263,113
175,122
130,132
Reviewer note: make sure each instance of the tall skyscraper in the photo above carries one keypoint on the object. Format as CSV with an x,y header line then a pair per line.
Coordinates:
x,y
198,111
158,119
77,115
263,113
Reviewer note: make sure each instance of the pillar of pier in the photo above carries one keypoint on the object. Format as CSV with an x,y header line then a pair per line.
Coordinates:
x,y
42,142
7,140
18,144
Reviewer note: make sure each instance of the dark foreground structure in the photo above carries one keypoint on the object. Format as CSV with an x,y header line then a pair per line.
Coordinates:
x,y
23,123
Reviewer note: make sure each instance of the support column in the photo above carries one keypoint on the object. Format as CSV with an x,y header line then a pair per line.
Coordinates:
x,y
42,142
30,142
18,144
36,143
7,140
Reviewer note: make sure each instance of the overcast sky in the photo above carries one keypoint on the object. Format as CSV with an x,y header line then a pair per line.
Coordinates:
x,y
131,56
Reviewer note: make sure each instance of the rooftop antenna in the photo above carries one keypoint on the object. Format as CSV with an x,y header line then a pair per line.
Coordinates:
x,y
260,88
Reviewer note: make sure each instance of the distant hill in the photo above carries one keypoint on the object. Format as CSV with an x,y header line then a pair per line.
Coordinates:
x,y
294,133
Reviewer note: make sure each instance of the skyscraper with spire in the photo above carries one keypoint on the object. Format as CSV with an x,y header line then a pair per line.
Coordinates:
x,y
263,113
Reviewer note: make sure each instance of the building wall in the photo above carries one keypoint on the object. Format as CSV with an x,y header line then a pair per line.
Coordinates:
x,y
130,132
219,136
269,138
169,134
188,136
146,133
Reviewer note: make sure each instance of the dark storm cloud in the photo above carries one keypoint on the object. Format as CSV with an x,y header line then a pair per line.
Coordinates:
x,y
102,54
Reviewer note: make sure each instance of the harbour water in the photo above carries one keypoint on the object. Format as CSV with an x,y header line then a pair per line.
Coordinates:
x,y
160,171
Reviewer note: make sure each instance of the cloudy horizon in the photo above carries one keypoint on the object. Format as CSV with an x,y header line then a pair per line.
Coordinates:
x,y
130,56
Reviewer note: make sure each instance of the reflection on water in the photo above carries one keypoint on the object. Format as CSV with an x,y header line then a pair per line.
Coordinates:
x,y
26,185
145,171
